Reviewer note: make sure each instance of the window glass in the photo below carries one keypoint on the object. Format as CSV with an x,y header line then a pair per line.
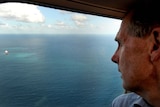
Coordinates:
x,y
56,58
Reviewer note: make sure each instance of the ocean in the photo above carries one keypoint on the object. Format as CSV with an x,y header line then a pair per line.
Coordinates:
x,y
58,71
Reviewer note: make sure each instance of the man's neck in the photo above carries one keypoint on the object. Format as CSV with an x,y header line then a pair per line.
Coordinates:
x,y
151,97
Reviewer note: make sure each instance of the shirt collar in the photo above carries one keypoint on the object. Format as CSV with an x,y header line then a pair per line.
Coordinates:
x,y
140,102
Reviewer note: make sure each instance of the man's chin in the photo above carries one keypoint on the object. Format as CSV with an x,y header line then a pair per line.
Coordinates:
x,y
125,87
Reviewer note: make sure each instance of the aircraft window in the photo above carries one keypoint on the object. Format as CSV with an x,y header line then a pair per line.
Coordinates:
x,y
56,58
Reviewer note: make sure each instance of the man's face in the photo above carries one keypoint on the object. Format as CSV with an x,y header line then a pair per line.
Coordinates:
x,y
132,58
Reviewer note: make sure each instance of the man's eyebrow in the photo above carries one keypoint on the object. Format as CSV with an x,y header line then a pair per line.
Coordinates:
x,y
116,39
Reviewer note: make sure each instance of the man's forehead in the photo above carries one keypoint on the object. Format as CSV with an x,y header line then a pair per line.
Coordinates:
x,y
121,30
124,26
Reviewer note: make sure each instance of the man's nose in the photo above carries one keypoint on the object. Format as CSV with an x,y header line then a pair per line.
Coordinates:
x,y
115,58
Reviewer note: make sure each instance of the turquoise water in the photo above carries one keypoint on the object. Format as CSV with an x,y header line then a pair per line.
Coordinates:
x,y
58,71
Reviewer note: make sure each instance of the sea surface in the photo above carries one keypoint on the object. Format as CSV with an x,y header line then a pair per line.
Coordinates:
x,y
58,71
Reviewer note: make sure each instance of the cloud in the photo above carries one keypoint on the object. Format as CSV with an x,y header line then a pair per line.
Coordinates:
x,y
62,25
21,12
2,24
79,19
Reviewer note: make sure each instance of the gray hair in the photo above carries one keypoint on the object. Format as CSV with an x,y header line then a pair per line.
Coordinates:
x,y
145,16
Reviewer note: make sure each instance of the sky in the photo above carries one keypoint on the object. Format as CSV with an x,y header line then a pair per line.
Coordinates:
x,y
18,18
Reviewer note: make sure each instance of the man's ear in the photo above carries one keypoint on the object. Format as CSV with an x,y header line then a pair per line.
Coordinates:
x,y
155,35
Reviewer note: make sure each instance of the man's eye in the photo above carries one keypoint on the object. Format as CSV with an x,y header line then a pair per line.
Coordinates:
x,y
119,44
